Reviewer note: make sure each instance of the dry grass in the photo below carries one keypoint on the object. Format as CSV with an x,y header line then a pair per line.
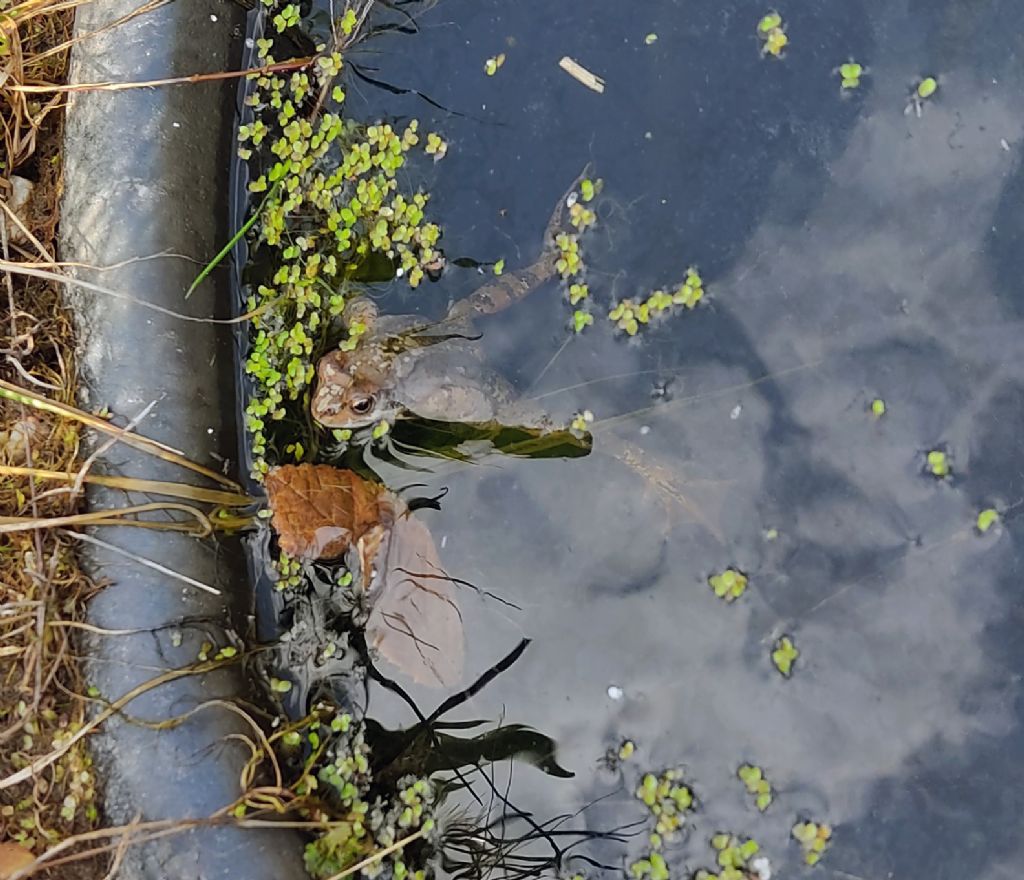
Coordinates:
x,y
42,591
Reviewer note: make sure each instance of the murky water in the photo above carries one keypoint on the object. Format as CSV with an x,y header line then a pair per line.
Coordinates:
x,y
851,251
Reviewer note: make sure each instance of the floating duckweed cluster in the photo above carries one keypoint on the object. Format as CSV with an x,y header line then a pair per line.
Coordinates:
x,y
878,407
569,262
667,799
289,571
772,32
784,655
757,785
329,203
986,519
926,88
336,772
629,315
850,74
581,423
937,464
729,585
733,857
813,838
652,867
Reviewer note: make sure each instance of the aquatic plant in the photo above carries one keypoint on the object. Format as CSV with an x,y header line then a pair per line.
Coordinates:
x,y
729,584
329,203
986,519
667,798
772,32
629,315
492,64
784,655
850,74
937,464
733,856
757,785
814,838
878,408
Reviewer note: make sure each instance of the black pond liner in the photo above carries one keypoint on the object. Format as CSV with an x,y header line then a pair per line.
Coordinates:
x,y
147,173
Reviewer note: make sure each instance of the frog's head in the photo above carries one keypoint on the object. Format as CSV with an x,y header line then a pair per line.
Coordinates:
x,y
351,395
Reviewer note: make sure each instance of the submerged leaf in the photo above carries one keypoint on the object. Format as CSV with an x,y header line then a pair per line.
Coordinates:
x,y
318,511
414,623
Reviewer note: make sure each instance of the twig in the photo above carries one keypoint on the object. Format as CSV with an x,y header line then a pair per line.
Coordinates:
x,y
149,563
292,64
380,854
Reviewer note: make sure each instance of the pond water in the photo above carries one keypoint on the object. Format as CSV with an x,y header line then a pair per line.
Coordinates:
x,y
851,251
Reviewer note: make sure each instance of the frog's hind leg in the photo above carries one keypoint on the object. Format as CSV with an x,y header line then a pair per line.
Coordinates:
x,y
508,289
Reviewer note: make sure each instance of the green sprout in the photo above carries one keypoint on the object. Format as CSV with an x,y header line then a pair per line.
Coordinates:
x,y
986,519
813,838
878,407
756,784
937,464
491,65
784,656
850,74
729,585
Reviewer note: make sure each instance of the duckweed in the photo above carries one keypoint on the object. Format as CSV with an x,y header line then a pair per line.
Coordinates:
x,y
937,464
729,584
757,785
668,799
772,32
499,267
850,74
784,655
814,839
581,319
329,203
878,408
653,867
651,39
581,422
986,519
491,65
629,315
927,87
733,857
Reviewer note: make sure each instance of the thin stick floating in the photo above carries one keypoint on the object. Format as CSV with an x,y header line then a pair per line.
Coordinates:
x,y
579,73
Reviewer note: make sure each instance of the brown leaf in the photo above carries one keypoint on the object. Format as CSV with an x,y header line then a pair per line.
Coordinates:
x,y
13,858
318,511
414,621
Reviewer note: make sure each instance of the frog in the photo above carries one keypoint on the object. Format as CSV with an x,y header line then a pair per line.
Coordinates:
x,y
402,366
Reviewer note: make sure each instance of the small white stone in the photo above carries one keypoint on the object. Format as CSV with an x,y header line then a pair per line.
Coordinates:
x,y
213,17
645,430
175,125
615,692
762,867
1004,144
735,414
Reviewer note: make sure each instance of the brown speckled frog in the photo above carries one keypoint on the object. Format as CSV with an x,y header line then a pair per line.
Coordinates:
x,y
402,366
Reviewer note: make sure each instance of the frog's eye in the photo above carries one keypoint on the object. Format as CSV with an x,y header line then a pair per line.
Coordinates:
x,y
362,405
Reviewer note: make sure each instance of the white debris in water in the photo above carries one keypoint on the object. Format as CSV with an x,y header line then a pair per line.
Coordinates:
x,y
762,867
1004,144
213,17
615,692
645,430
444,541
736,410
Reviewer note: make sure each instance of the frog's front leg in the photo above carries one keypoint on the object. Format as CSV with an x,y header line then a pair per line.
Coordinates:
x,y
511,287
